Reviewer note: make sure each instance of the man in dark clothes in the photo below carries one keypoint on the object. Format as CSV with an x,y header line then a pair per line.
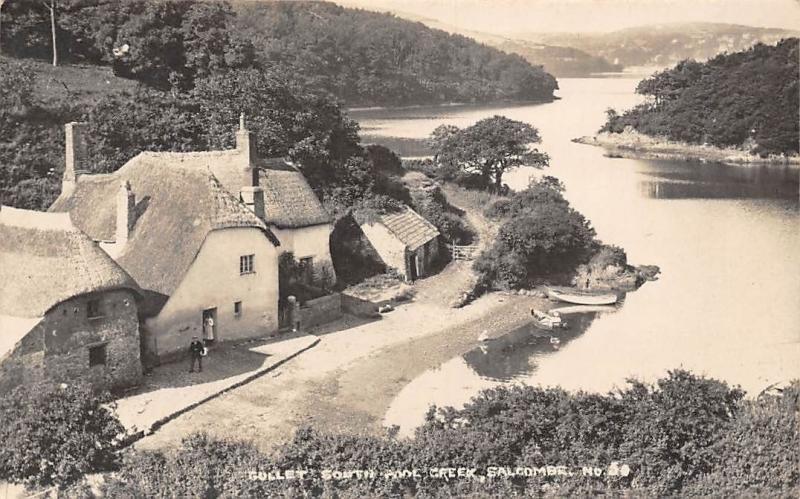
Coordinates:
x,y
196,352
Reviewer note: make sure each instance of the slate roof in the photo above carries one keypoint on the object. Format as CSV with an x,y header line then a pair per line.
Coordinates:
x,y
45,259
177,205
410,228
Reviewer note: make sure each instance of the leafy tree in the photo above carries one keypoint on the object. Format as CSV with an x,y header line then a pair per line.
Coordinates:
x,y
540,235
540,241
489,148
54,435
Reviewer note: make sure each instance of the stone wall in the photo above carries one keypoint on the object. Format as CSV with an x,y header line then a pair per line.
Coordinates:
x,y
320,311
57,349
359,307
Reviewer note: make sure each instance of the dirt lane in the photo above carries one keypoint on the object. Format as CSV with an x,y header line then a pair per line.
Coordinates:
x,y
347,382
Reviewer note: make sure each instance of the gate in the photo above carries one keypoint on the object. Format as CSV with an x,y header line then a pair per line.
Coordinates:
x,y
463,252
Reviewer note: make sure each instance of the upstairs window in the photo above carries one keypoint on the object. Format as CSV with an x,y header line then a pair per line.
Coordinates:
x,y
246,264
93,309
97,355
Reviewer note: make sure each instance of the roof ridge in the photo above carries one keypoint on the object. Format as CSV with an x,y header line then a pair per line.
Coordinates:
x,y
39,220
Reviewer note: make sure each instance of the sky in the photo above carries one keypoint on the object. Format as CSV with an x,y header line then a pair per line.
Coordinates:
x,y
510,16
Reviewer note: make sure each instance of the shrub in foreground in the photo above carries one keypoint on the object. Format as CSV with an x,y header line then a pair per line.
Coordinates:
x,y
53,435
684,435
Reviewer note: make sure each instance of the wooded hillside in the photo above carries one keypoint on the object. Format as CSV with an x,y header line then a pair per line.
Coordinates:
x,y
361,57
368,58
747,99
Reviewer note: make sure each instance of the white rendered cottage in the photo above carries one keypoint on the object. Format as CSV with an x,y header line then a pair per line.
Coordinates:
x,y
194,249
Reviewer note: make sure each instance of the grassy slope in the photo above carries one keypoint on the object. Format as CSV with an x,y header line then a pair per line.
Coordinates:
x,y
76,82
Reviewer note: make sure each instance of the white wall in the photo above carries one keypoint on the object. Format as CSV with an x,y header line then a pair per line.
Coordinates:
x,y
213,280
391,250
305,242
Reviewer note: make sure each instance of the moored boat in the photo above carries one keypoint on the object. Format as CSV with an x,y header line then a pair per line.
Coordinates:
x,y
581,297
547,321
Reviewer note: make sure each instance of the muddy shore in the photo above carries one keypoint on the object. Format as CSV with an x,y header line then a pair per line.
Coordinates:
x,y
634,145
348,381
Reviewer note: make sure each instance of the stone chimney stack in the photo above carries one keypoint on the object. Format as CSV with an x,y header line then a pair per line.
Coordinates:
x,y
246,142
126,212
253,197
75,152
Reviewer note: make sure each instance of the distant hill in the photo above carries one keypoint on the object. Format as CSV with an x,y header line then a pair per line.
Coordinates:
x,y
561,62
663,45
368,58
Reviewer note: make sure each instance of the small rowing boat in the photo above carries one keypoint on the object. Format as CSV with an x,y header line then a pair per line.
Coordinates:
x,y
547,321
581,297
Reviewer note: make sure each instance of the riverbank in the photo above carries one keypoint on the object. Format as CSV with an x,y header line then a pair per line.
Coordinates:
x,y
631,144
347,382
451,104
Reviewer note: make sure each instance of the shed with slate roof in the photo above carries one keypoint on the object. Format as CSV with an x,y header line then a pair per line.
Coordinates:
x,y
67,309
405,241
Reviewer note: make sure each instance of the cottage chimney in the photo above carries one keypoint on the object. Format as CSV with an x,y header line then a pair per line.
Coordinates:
x,y
246,142
253,197
126,212
75,153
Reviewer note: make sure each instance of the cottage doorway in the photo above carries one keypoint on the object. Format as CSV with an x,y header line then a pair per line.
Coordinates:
x,y
210,325
412,268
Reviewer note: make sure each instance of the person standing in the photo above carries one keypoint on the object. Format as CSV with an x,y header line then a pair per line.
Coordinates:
x,y
208,329
196,348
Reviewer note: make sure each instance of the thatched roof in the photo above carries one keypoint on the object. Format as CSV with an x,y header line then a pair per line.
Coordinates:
x,y
409,227
45,260
288,199
177,205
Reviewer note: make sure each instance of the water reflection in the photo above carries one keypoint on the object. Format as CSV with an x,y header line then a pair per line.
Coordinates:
x,y
512,358
514,355
689,180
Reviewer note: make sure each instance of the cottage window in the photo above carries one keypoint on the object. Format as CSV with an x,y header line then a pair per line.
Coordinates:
x,y
237,309
97,355
93,309
246,264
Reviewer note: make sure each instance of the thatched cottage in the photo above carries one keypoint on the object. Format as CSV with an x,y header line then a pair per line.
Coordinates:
x,y
196,250
405,241
67,310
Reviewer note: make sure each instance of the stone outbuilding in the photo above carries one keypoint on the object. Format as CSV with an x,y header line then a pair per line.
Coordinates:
x,y
67,310
405,241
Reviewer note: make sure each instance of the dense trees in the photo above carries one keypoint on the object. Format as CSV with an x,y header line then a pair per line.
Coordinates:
x,y
163,42
367,58
358,56
288,121
540,235
684,435
748,99
30,148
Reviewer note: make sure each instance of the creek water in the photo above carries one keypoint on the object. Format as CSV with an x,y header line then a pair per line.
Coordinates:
x,y
727,304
